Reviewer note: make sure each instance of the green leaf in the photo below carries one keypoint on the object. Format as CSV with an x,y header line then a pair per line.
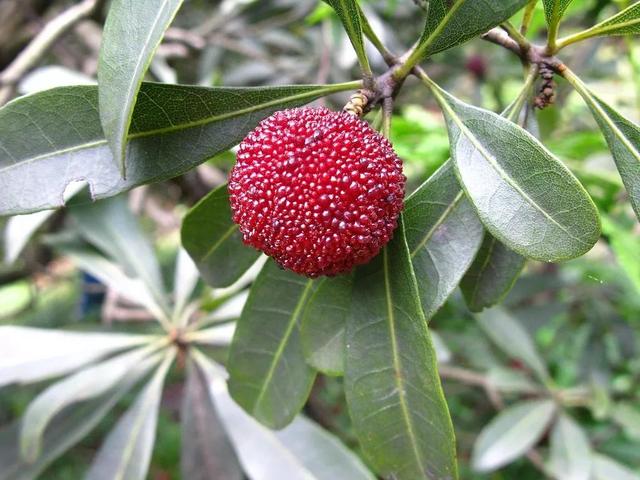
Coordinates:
x,y
392,385
554,9
507,333
132,32
185,280
450,24
269,376
52,138
627,416
570,451
627,22
443,233
511,434
622,135
491,275
66,429
206,451
349,13
301,451
524,196
324,322
18,231
215,242
605,468
33,354
111,227
126,452
88,383
511,381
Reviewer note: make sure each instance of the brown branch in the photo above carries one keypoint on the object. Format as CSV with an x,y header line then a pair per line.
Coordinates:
x,y
40,44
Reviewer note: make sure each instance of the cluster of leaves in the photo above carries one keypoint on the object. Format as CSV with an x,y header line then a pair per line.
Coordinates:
x,y
502,198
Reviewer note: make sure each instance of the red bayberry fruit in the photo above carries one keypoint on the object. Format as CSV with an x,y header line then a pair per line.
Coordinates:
x,y
319,191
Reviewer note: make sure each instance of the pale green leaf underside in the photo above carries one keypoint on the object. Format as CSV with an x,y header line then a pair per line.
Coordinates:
x,y
570,450
269,377
215,242
53,138
393,389
605,468
126,452
443,233
132,32
524,196
511,434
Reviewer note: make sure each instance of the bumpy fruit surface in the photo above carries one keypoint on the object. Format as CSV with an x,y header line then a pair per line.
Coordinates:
x,y
317,190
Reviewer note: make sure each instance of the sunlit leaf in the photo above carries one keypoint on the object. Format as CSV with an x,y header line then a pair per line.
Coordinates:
x,y
269,376
570,451
34,354
301,451
511,434
392,385
215,242
66,429
324,322
53,138
206,451
605,468
627,416
126,452
554,9
131,34
86,384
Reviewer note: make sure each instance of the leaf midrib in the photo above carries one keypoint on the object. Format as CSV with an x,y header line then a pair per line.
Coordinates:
x,y
397,364
220,241
443,217
293,320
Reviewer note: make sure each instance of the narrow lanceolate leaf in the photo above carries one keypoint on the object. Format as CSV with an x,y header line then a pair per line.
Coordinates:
x,y
301,451
34,354
393,390
206,451
622,135
111,226
625,246
324,322
126,452
215,242
443,233
491,275
524,195
450,24
86,384
606,468
269,376
507,333
53,138
554,9
66,429
511,434
132,32
570,451
627,22
349,14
